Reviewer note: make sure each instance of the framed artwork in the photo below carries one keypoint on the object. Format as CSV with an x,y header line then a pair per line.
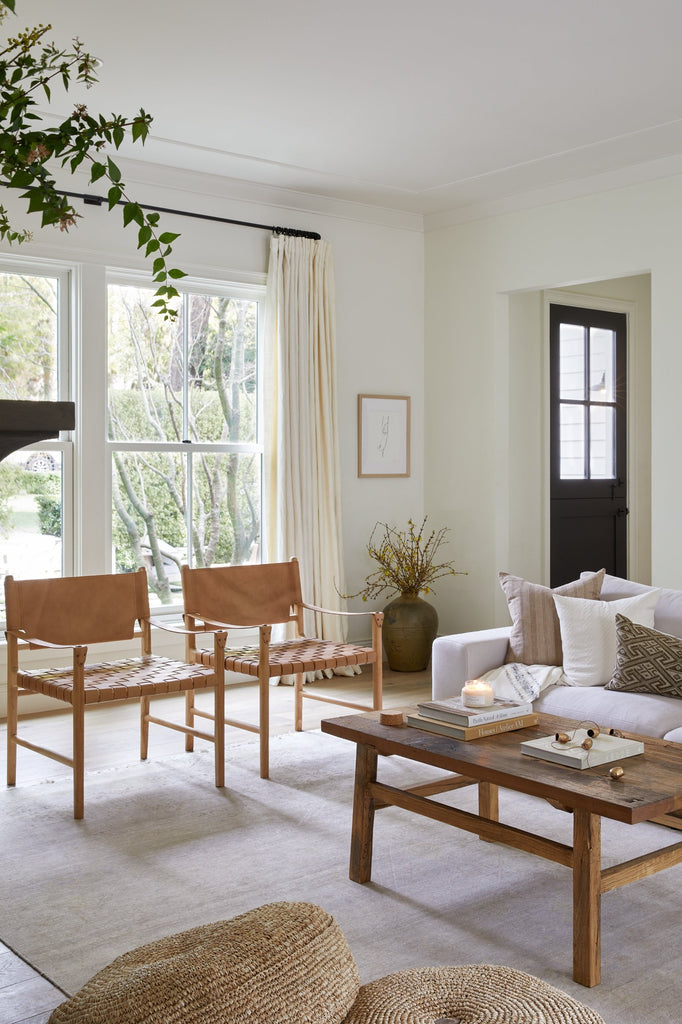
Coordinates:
x,y
383,435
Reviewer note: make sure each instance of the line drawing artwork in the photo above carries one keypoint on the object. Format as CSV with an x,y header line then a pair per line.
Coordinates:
x,y
383,435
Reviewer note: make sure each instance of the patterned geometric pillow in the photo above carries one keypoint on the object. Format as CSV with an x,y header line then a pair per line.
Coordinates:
x,y
646,661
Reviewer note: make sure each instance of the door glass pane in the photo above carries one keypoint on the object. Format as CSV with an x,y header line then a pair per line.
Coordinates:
x,y
28,337
571,361
226,508
572,442
31,540
602,365
145,369
223,334
602,442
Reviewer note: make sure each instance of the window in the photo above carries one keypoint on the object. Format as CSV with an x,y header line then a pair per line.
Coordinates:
x,y
587,402
184,433
35,490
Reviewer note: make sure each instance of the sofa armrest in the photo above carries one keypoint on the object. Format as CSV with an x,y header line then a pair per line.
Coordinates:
x,y
465,656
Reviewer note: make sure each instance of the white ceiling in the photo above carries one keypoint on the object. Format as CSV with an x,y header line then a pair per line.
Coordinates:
x,y
424,106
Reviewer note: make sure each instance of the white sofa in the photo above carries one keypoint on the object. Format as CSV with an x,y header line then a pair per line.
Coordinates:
x,y
465,656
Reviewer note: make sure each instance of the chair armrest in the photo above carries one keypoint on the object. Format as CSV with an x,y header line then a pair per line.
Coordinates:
x,y
465,656
160,624
34,641
330,611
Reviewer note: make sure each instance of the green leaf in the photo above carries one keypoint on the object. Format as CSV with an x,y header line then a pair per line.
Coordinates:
x,y
21,179
152,246
112,170
114,195
97,171
176,274
143,235
159,264
10,4
167,237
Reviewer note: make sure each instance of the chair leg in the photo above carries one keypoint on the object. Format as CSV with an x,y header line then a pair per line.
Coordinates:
x,y
78,755
264,719
144,728
189,720
219,707
377,683
298,702
12,720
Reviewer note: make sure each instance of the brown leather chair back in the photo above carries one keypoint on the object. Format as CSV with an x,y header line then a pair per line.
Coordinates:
x,y
78,609
243,595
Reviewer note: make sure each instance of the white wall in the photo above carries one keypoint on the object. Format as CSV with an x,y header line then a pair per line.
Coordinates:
x,y
486,379
379,274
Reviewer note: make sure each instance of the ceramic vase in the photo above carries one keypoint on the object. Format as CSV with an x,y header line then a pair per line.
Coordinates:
x,y
410,627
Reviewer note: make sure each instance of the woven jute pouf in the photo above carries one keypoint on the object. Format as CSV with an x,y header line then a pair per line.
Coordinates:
x,y
473,994
282,962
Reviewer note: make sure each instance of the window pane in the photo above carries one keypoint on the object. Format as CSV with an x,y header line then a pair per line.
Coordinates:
x,y
145,369
572,442
602,365
226,508
31,540
148,521
28,337
571,361
222,367
602,442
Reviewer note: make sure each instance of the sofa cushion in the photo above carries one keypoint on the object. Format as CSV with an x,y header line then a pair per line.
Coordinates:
x,y
647,661
642,713
588,634
668,614
535,637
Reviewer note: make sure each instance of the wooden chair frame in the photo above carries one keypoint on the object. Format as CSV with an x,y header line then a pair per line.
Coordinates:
x,y
259,597
73,612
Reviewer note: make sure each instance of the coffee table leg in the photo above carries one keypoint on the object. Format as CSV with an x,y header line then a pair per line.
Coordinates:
x,y
586,898
488,801
363,815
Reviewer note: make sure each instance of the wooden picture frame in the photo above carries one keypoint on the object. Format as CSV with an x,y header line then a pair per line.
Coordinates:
x,y
383,435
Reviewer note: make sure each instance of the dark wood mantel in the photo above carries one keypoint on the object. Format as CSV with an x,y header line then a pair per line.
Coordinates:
x,y
23,423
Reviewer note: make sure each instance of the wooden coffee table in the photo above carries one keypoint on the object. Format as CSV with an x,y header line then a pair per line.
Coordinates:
x,y
650,787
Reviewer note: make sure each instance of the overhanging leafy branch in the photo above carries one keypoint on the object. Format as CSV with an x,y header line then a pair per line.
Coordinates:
x,y
30,66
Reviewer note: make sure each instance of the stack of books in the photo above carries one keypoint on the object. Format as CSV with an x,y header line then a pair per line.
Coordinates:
x,y
453,718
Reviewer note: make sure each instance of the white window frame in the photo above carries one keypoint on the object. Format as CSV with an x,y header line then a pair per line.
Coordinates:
x,y
28,266
189,285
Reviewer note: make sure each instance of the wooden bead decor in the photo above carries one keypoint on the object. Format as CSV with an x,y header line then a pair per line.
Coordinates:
x,y
392,718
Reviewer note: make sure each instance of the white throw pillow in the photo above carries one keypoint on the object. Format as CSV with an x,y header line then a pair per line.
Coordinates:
x,y
588,634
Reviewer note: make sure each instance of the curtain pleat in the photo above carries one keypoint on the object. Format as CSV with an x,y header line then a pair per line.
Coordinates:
x,y
302,463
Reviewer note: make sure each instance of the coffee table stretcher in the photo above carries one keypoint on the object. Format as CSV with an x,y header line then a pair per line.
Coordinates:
x,y
583,857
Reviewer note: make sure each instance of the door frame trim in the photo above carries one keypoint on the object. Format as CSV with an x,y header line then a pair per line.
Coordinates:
x,y
569,298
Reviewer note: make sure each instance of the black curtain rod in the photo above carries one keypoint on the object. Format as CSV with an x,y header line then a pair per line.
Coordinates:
x,y
91,200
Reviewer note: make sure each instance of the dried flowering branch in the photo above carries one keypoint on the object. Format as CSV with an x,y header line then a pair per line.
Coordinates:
x,y
407,561
29,68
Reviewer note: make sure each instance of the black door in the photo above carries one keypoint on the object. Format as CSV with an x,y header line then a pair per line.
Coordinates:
x,y
588,461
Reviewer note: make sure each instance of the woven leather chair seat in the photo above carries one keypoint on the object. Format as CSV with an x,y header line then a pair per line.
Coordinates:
x,y
118,680
282,963
472,994
293,656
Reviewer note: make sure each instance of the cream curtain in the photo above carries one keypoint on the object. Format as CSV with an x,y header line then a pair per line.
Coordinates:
x,y
302,464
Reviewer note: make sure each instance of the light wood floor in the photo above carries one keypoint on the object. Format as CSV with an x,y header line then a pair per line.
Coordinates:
x,y
112,738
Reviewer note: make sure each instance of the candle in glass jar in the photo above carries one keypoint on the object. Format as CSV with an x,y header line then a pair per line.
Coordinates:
x,y
476,693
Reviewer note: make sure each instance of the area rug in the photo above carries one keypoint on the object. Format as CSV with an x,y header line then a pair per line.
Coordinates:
x,y
161,850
